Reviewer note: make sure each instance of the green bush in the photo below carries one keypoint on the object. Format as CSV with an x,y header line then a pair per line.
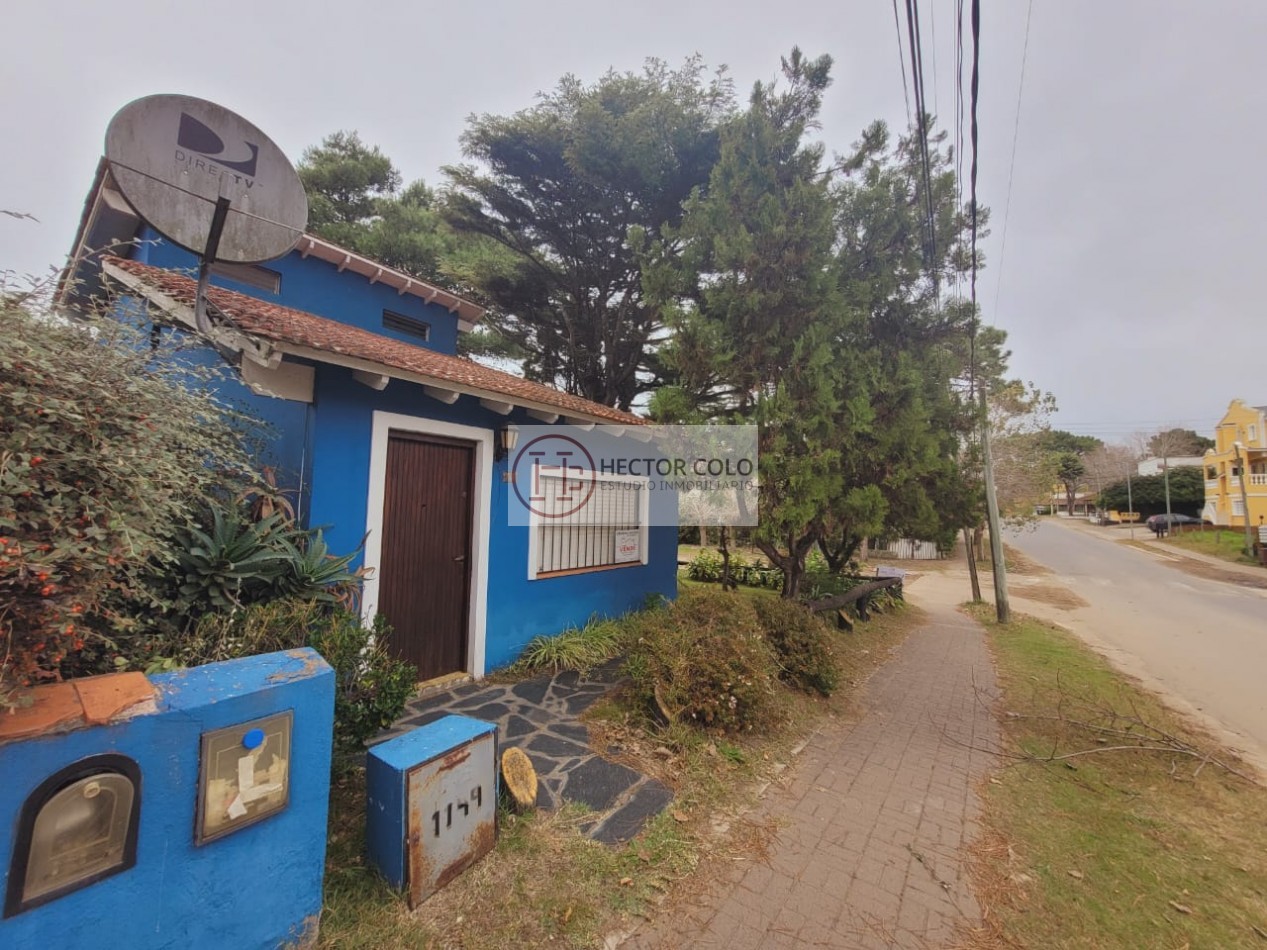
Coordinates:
x,y
704,658
106,454
803,644
707,566
371,686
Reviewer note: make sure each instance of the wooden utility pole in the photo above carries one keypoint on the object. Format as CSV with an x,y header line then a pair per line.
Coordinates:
x,y
1002,608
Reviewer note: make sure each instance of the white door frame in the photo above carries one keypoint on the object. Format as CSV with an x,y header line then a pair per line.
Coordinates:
x,y
481,519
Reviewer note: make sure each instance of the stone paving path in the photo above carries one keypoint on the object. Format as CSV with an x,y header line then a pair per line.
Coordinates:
x,y
539,715
873,818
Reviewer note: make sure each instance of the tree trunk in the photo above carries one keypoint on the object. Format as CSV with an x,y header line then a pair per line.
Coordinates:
x,y
791,564
856,594
728,582
972,566
840,555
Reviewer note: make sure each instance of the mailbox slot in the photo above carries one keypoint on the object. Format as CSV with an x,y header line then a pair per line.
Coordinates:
x,y
78,827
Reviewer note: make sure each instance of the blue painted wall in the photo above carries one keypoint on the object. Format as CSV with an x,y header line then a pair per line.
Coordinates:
x,y
329,443
257,887
318,287
518,609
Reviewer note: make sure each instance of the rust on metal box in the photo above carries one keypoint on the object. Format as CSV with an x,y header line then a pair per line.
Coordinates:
x,y
452,815
454,759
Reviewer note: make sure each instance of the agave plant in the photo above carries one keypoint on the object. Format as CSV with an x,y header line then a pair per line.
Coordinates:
x,y
309,570
224,567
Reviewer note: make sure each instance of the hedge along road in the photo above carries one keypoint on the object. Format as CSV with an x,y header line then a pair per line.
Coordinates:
x,y
1202,643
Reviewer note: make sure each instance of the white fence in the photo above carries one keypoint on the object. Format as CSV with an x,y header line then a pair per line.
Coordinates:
x,y
905,549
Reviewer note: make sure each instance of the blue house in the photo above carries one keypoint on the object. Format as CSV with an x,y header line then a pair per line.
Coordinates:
x,y
382,432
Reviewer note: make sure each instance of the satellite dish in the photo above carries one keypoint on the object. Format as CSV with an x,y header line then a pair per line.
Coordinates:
x,y
206,179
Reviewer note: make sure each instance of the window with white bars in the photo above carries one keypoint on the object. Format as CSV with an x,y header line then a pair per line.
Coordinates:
x,y
585,522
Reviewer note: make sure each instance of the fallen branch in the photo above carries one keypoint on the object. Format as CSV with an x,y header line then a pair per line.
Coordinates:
x,y
854,594
1149,738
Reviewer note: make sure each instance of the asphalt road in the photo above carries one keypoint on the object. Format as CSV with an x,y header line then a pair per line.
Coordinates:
x,y
1203,643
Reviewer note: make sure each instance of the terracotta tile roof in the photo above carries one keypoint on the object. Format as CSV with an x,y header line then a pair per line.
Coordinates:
x,y
258,318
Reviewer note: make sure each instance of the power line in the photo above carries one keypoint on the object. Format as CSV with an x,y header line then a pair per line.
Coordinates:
x,y
917,71
1011,168
932,18
901,61
958,125
974,91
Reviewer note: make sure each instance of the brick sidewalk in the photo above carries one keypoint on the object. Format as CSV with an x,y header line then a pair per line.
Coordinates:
x,y
872,820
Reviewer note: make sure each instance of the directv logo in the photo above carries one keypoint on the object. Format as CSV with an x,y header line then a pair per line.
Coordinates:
x,y
198,138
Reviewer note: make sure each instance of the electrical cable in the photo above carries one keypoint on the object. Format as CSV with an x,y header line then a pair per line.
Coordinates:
x,y
1011,168
901,61
932,19
917,69
958,132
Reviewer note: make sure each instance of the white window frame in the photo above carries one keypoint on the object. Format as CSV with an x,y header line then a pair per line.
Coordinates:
x,y
536,521
481,519
1238,508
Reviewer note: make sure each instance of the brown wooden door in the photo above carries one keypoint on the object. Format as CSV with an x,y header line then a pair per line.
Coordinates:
x,y
425,571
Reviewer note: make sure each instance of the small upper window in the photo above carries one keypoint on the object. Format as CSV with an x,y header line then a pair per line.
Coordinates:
x,y
403,324
252,275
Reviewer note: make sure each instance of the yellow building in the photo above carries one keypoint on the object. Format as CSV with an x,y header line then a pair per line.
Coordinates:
x,y
1240,440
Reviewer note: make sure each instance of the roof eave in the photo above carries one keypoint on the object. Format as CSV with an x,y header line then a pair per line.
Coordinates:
x,y
385,369
468,313
267,351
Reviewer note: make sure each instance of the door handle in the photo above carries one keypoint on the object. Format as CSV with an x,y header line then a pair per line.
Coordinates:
x,y
460,557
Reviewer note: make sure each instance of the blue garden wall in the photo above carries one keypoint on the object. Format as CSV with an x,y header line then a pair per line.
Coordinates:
x,y
258,886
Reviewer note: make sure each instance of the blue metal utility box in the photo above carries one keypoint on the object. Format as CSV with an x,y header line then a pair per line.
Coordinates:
x,y
431,803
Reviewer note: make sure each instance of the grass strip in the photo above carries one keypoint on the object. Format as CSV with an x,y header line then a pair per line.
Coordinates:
x,y
1227,544
1090,844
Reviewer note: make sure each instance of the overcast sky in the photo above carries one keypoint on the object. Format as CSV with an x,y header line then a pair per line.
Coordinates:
x,y
1136,239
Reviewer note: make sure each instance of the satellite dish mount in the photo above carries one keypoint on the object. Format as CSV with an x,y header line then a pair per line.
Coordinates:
x,y
207,180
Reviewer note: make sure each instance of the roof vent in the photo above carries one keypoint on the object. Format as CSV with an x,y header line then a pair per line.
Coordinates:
x,y
408,325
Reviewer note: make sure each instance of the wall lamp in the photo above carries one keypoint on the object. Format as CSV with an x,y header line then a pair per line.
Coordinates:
x,y
507,439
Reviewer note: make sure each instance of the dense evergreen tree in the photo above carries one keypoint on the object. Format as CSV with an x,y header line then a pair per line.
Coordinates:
x,y
759,311
355,199
568,190
1148,492
908,344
